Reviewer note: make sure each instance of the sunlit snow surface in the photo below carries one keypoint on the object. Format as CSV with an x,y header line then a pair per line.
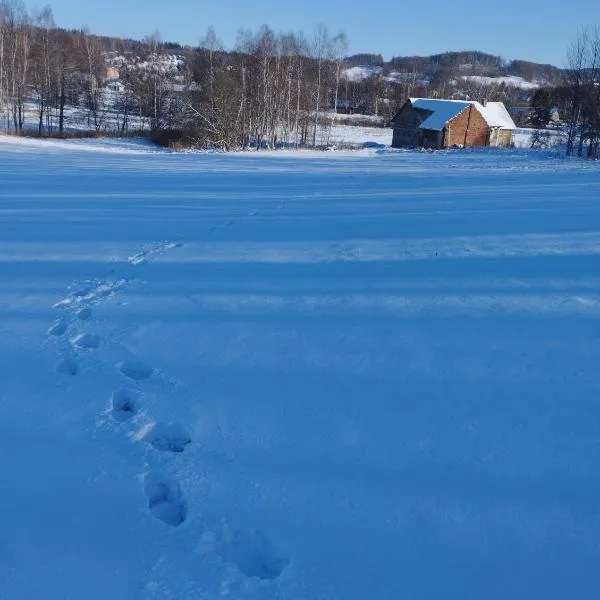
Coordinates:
x,y
349,376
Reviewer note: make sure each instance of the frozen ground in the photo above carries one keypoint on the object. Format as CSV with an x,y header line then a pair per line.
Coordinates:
x,y
335,376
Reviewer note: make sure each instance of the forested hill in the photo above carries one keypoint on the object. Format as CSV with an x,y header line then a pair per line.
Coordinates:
x,y
468,62
460,63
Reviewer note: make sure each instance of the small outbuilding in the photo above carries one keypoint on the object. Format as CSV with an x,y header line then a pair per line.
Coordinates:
x,y
432,123
116,86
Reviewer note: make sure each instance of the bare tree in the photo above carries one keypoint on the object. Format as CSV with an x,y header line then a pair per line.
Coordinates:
x,y
321,51
339,48
583,85
212,45
70,63
43,71
95,62
15,42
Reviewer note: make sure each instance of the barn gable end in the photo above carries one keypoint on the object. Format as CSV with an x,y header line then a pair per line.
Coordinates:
x,y
467,130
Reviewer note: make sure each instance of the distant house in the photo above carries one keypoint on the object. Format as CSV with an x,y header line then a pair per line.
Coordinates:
x,y
111,73
116,86
345,107
522,115
520,112
429,123
183,88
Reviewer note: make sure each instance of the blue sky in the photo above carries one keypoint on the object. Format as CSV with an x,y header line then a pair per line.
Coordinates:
x,y
537,30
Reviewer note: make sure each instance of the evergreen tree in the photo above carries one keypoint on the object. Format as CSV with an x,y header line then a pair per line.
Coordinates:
x,y
541,105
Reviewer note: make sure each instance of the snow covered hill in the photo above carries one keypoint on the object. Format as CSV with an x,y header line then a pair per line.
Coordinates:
x,y
508,80
360,73
335,376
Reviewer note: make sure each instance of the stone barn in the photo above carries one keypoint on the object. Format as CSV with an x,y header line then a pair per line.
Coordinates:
x,y
429,123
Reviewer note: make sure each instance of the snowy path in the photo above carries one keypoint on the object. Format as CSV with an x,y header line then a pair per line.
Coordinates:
x,y
340,376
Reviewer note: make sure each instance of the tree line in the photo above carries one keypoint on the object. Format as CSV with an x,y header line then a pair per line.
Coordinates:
x,y
272,88
57,67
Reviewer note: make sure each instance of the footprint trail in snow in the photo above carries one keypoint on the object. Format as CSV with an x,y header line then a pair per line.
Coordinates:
x,y
250,552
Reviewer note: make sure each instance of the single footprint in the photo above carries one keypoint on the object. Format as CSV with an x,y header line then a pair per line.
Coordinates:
x,y
165,499
123,405
67,366
138,259
84,314
142,257
103,290
165,437
86,340
172,245
83,291
252,552
135,370
58,329
63,303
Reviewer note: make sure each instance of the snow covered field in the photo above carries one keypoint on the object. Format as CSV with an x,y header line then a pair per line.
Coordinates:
x,y
549,138
340,376
354,135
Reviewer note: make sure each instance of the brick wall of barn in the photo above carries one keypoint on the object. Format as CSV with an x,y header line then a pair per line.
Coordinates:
x,y
477,134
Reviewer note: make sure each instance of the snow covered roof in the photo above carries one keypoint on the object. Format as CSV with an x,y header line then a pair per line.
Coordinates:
x,y
443,111
496,115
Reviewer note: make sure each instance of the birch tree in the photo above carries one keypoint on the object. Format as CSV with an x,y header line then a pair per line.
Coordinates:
x,y
15,39
321,48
